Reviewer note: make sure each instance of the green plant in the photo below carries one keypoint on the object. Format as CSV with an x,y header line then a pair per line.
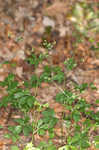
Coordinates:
x,y
86,21
70,63
23,126
33,59
30,146
47,45
47,146
47,122
67,147
80,120
80,140
17,97
66,97
14,133
14,147
81,87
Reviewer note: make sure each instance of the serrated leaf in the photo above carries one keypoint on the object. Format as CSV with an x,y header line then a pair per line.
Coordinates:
x,y
27,130
41,132
70,63
97,145
1,127
76,116
14,147
58,77
18,129
14,138
20,121
30,101
7,136
48,113
97,101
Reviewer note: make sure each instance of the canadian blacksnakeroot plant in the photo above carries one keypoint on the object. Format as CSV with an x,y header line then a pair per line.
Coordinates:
x,y
22,100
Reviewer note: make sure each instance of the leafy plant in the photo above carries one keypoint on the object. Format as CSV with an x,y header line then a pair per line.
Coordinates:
x,y
46,75
67,147
96,141
66,97
58,75
25,125
15,131
80,140
47,146
70,63
81,87
47,122
47,45
30,146
35,60
14,147
86,20
93,87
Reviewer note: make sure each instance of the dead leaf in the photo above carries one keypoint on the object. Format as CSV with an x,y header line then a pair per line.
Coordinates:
x,y
56,8
19,71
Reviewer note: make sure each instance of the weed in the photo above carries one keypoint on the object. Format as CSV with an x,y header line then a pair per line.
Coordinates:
x,y
79,110
70,63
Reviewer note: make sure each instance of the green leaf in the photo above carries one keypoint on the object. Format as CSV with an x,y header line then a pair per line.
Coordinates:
x,y
48,113
14,138
97,101
81,87
8,136
18,129
51,133
97,145
12,85
27,130
51,147
20,121
65,97
67,147
33,60
15,129
76,116
40,122
93,87
1,127
30,101
21,93
34,81
3,83
14,147
58,77
27,84
70,63
41,132
96,138
46,77
10,78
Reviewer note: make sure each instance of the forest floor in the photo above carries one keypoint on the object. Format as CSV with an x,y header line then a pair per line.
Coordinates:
x,y
23,27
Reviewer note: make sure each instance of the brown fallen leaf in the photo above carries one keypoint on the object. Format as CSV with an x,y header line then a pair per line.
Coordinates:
x,y
56,8
44,85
